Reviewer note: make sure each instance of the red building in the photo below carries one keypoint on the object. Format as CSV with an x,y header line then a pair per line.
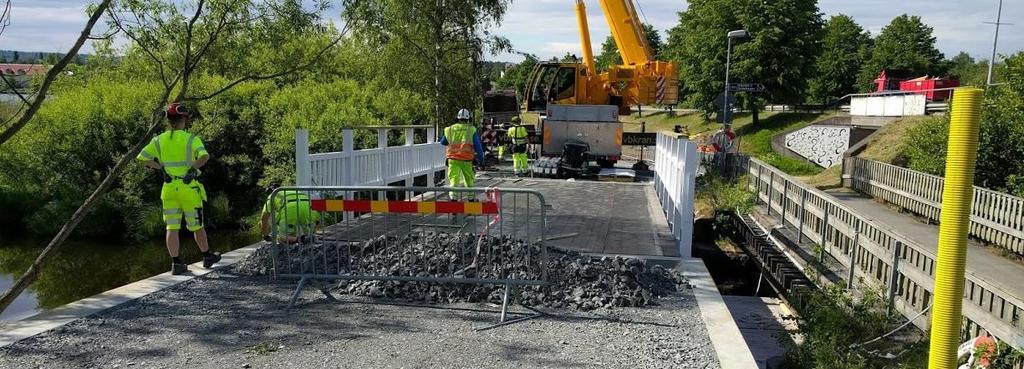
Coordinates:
x,y
23,69
927,86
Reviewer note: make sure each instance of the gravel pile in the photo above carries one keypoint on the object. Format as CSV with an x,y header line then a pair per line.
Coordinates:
x,y
575,281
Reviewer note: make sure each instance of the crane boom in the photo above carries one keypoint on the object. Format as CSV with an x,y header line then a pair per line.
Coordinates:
x,y
628,31
588,50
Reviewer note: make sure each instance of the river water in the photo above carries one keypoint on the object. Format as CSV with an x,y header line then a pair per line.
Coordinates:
x,y
82,269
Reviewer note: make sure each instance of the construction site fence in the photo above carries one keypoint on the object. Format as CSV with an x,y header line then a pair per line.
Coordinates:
x,y
996,218
420,155
873,256
675,179
419,234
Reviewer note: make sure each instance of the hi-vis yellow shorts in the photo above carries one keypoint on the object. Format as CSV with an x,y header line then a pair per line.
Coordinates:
x,y
183,200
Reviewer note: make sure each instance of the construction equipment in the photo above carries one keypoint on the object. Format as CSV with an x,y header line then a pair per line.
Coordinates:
x,y
640,80
573,136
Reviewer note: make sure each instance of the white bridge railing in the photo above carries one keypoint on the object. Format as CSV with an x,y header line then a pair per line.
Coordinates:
x,y
675,173
379,166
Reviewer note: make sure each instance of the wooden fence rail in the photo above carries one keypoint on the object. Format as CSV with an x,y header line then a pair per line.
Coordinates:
x,y
996,218
876,256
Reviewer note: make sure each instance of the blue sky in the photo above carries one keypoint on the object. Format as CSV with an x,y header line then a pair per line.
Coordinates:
x,y
548,27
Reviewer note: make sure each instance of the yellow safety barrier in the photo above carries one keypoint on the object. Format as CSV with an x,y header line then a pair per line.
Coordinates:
x,y
956,209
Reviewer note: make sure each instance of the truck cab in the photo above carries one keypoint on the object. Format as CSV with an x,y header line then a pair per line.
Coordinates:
x,y
552,83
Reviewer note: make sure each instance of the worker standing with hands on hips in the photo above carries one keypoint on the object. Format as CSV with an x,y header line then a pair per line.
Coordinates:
x,y
179,154
517,133
462,146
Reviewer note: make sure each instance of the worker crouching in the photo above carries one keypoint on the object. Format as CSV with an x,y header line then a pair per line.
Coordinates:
x,y
179,154
462,145
294,220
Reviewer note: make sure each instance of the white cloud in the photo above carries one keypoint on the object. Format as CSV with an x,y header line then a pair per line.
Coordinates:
x,y
534,26
548,27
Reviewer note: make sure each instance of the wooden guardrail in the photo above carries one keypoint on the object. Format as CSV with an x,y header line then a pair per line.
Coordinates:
x,y
996,218
876,256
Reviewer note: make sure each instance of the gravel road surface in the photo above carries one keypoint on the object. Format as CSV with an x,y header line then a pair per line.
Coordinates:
x,y
224,320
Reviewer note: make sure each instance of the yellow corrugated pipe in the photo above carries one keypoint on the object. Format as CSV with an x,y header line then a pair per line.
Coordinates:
x,y
953,227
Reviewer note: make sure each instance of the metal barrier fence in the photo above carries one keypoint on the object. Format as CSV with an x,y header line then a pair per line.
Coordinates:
x,y
675,176
378,166
414,234
875,255
996,217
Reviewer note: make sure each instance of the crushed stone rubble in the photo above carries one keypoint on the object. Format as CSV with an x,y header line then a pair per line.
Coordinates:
x,y
575,281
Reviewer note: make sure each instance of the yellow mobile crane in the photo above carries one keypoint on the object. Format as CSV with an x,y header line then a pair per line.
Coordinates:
x,y
639,80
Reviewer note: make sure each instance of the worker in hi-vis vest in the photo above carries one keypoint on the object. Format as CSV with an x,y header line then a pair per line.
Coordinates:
x,y
520,164
294,219
179,154
462,146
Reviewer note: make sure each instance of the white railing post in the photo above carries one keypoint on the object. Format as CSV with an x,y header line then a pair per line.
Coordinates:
x,y
348,148
410,137
687,199
382,144
302,165
348,164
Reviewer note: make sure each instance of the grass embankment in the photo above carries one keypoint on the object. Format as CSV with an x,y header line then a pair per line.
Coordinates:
x,y
886,145
754,139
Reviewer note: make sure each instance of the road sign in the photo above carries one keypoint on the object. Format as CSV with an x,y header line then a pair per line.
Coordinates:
x,y
746,87
639,139
720,100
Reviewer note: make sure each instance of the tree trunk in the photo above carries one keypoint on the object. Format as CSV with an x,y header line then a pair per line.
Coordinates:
x,y
32,273
753,111
53,72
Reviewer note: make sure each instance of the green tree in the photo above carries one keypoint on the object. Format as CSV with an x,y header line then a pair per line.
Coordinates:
x,y
515,77
697,45
970,72
610,51
845,47
1001,139
906,43
782,34
434,47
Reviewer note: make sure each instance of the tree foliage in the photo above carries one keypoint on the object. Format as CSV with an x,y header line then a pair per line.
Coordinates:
x,y
515,77
610,51
970,72
1001,140
431,47
845,47
906,43
782,34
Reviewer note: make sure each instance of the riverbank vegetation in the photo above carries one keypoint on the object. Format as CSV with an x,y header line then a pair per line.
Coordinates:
x,y
93,115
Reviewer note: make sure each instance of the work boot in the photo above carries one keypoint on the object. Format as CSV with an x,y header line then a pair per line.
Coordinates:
x,y
178,269
208,261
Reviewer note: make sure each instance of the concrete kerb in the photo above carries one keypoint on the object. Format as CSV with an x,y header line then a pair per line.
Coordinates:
x,y
729,344
50,319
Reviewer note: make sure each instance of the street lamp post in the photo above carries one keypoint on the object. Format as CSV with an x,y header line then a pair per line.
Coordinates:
x,y
995,42
726,118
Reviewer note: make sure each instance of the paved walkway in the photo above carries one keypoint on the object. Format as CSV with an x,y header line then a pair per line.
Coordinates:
x,y
981,261
602,217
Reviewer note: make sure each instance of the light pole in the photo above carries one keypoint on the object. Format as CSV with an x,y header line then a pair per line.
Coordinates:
x,y
995,42
728,56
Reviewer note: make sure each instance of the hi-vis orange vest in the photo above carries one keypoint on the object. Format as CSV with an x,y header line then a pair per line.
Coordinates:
x,y
460,142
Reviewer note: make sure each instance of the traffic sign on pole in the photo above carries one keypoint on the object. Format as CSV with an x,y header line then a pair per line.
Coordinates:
x,y
746,87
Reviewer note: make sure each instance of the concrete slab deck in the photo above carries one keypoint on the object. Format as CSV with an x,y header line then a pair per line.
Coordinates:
x,y
607,217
